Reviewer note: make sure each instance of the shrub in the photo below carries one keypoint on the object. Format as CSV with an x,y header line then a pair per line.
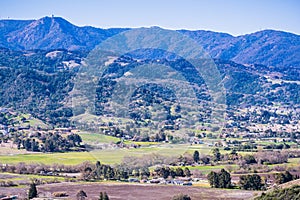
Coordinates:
x,y
181,197
60,194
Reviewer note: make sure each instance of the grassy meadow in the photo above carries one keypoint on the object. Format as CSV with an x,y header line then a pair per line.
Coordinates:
x,y
108,156
114,155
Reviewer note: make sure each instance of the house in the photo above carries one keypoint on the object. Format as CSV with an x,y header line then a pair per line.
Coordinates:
x,y
196,140
187,183
155,181
178,182
133,180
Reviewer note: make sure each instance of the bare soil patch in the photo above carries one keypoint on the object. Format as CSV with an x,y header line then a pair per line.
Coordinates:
x,y
121,191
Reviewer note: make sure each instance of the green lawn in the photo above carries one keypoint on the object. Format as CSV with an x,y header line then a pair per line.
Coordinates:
x,y
97,138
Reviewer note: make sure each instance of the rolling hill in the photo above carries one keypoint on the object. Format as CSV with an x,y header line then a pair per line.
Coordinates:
x,y
40,82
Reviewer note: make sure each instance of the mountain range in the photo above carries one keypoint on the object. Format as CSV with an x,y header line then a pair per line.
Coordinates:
x,y
40,60
267,47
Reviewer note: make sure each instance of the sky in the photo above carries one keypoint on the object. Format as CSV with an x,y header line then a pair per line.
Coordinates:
x,y
236,17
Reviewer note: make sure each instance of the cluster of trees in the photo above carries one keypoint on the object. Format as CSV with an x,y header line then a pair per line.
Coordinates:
x,y
100,172
271,157
50,142
262,157
277,146
246,147
222,179
247,161
251,182
120,172
219,180
284,177
166,172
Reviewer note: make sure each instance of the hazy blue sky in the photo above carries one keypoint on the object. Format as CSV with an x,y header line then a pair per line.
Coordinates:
x,y
232,16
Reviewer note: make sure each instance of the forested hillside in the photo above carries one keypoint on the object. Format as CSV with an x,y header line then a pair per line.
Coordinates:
x,y
39,82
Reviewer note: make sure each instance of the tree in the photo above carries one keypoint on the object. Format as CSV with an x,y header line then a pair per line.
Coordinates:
x,y
81,195
121,173
250,182
249,159
144,172
181,197
187,172
75,138
34,145
213,179
224,179
98,164
288,176
283,177
179,172
32,191
196,156
105,197
279,178
49,145
216,154
219,180
101,196
86,173
205,160
27,144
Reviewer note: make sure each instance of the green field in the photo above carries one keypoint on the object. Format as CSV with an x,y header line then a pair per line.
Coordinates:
x,y
205,169
26,177
114,155
108,156
71,158
97,138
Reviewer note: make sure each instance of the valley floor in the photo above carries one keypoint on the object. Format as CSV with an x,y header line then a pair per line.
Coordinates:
x,y
121,191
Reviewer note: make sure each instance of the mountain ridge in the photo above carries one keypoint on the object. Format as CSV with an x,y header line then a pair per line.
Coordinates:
x,y
268,47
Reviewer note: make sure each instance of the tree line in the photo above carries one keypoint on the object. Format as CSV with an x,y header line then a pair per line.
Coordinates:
x,y
222,179
49,142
